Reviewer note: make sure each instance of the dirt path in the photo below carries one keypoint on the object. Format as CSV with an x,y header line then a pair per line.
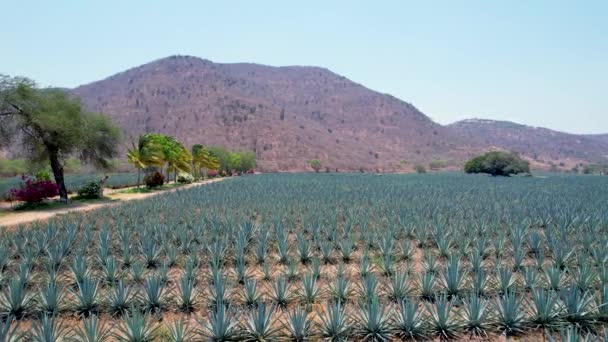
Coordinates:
x,y
115,197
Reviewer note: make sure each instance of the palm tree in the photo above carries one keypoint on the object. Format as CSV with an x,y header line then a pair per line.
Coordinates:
x,y
176,156
147,153
201,158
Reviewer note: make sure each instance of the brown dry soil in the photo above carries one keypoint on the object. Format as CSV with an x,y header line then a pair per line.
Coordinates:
x,y
9,218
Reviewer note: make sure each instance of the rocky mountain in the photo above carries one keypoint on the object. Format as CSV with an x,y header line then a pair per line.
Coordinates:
x,y
542,145
290,115
287,115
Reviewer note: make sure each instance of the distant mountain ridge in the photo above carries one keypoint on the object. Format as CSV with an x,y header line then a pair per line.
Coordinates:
x,y
540,144
290,115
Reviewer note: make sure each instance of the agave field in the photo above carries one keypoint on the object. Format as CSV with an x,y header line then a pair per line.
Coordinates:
x,y
75,182
335,257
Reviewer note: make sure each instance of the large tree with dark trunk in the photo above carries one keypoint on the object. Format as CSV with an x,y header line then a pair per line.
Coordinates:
x,y
50,125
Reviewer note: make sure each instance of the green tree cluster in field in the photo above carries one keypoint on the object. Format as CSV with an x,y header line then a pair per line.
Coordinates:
x,y
497,163
233,161
595,169
158,152
52,126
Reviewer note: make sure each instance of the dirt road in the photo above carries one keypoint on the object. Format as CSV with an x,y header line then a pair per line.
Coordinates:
x,y
115,197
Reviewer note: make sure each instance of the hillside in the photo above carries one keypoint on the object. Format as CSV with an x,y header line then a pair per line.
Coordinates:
x,y
539,144
289,115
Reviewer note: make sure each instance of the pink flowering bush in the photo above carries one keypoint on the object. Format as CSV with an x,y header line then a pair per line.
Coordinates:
x,y
34,190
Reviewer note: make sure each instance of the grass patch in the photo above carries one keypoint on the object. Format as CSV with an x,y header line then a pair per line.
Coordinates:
x,y
75,201
145,189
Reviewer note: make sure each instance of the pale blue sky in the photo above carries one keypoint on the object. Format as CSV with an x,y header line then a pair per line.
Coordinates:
x,y
542,63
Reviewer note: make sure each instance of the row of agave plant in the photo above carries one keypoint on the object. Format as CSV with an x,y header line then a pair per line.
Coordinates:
x,y
368,321
386,252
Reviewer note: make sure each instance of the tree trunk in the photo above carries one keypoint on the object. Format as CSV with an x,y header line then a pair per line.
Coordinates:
x,y
138,175
58,173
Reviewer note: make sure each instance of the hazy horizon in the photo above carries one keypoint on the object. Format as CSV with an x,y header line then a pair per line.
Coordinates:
x,y
540,64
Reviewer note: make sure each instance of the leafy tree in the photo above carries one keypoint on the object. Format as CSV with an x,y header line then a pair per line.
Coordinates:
x,y
235,161
53,126
315,164
72,165
146,153
248,161
223,156
497,163
13,167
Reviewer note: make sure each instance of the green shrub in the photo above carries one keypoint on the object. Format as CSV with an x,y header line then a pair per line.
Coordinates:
x,y
185,178
497,163
91,190
154,179
315,164
420,169
43,175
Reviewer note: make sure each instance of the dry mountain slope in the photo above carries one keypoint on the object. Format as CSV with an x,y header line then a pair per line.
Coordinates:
x,y
288,115
540,144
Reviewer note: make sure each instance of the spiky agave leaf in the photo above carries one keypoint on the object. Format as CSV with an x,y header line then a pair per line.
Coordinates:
x,y
368,288
453,277
154,293
180,331
299,325
340,290
220,325
304,251
372,322
510,316
86,294
220,292
49,298
250,295
120,298
477,316
9,330
92,330
397,287
408,323
555,278
444,319
280,292
578,308
334,325
15,300
427,286
571,334
310,289
136,327
504,279
545,309
364,266
187,294
601,302
292,273
260,324
47,329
